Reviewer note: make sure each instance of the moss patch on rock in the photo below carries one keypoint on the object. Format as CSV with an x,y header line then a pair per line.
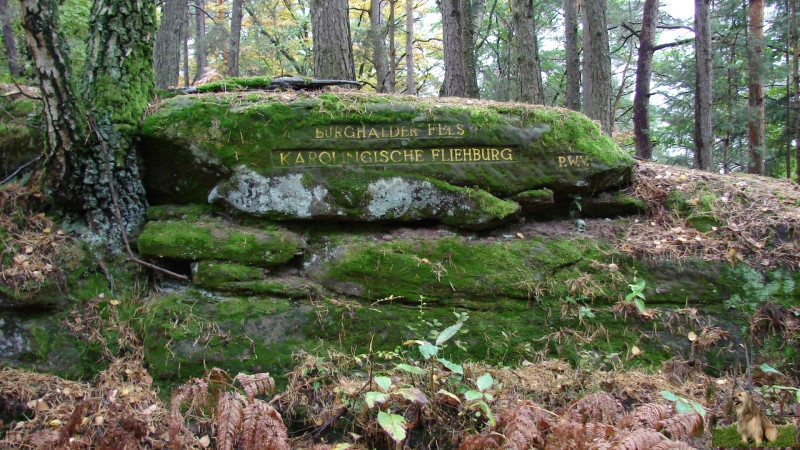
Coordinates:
x,y
211,239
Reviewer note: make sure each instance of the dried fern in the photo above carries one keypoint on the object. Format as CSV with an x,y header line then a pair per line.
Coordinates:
x,y
641,439
597,407
228,420
682,426
262,428
257,384
524,425
573,435
480,441
644,416
672,445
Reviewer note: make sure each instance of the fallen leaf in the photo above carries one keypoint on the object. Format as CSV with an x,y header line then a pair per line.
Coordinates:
x,y
692,336
520,235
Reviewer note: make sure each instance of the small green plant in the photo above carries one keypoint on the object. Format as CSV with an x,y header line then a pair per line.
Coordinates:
x,y
682,405
636,295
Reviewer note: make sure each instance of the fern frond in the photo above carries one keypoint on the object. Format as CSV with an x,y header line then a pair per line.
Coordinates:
x,y
569,434
256,384
228,420
524,425
672,445
682,426
262,428
644,416
641,439
480,442
597,407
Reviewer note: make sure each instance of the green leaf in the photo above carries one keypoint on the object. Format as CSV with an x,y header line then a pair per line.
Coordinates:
x,y
682,407
484,381
472,395
393,424
668,395
410,369
639,304
374,397
488,412
585,312
427,349
768,369
449,394
383,382
448,332
699,408
455,368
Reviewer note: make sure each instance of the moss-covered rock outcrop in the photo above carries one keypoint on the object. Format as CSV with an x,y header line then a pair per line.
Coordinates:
x,y
358,157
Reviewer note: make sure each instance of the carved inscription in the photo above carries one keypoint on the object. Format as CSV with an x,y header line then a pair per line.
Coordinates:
x,y
573,161
390,131
404,156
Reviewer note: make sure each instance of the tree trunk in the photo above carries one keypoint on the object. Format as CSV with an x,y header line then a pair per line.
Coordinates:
x,y
9,44
200,57
526,51
168,44
391,28
703,100
644,66
379,59
333,48
235,38
471,11
596,64
796,85
573,64
410,87
755,90
456,83
92,159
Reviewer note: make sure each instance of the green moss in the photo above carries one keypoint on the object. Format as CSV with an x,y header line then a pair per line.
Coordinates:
x,y
703,222
454,269
211,239
192,211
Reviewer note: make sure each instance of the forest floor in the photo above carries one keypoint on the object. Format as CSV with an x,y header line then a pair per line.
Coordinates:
x,y
338,402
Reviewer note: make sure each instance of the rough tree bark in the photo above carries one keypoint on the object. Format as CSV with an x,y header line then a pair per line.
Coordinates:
x,y
796,85
168,44
644,66
526,53
235,38
92,165
573,64
410,87
200,58
755,90
596,64
9,44
456,71
333,48
376,37
703,126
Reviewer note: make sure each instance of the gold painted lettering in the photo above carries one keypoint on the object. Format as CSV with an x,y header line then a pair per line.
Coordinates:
x,y
361,132
506,154
431,129
399,156
460,129
324,158
299,160
318,134
436,154
495,154
348,132
365,157
283,158
413,132
459,155
373,133
562,161
384,156
486,154
312,157
418,156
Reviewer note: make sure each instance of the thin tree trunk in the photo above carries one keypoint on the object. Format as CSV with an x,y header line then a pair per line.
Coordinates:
x,y
390,31
596,64
455,70
755,91
526,51
168,44
471,11
379,59
795,85
9,44
644,66
185,47
200,57
572,99
410,87
703,126
333,48
235,39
